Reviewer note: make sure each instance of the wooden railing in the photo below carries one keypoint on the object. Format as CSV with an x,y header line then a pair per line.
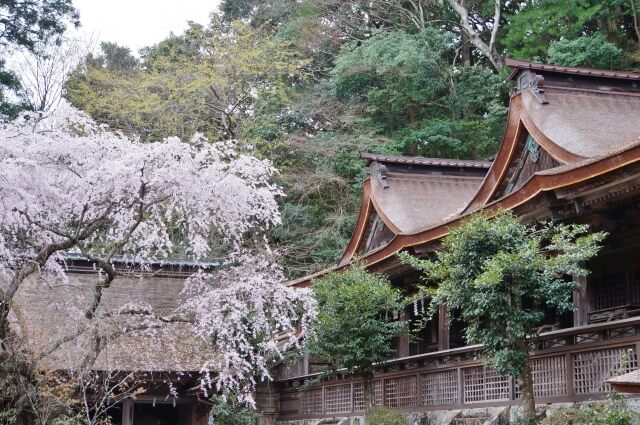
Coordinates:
x,y
568,365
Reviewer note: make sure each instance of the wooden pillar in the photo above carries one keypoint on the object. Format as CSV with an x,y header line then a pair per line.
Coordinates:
x,y
443,328
267,404
127,411
582,300
460,386
570,373
187,414
305,362
403,340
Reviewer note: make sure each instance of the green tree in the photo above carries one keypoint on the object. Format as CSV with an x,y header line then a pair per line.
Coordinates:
x,y
24,23
407,87
356,322
501,275
10,83
230,412
591,51
533,25
207,81
539,22
116,58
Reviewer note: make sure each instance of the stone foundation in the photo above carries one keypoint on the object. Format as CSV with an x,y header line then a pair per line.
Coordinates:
x,y
484,416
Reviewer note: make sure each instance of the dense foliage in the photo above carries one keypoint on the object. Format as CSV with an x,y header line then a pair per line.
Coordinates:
x,y
229,412
613,411
310,84
501,276
381,415
356,322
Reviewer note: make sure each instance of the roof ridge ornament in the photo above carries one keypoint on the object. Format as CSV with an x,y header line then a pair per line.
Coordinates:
x,y
379,171
529,80
536,85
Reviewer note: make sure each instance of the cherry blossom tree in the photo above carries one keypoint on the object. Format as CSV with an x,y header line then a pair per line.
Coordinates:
x,y
71,187
241,320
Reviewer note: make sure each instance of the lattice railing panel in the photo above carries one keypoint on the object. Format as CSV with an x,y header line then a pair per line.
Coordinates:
x,y
378,393
549,377
401,392
592,368
358,395
337,399
311,401
440,388
485,384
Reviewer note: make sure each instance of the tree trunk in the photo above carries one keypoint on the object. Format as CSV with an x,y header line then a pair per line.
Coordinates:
x,y
367,391
634,12
467,58
526,390
411,118
489,50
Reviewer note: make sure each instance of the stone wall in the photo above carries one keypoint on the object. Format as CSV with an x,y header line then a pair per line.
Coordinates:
x,y
486,416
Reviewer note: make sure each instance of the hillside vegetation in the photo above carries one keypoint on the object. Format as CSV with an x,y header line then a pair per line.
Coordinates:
x,y
309,84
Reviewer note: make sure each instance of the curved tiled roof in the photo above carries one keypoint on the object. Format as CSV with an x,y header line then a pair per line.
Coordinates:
x,y
590,72
413,202
407,199
589,125
51,313
584,123
417,160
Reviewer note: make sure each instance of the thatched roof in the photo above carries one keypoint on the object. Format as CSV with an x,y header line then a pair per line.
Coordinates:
x,y
49,311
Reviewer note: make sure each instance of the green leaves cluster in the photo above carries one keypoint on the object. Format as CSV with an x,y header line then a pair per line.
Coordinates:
x,y
501,275
588,51
613,411
597,33
230,412
407,87
357,319
381,415
207,80
312,83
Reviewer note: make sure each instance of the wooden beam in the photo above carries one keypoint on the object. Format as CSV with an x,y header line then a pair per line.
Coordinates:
x,y
127,411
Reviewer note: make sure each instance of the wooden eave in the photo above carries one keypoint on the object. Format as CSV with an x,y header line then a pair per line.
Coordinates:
x,y
607,154
367,206
539,183
518,65
518,122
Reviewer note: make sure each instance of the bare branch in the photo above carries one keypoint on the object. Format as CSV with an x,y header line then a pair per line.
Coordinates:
x,y
488,50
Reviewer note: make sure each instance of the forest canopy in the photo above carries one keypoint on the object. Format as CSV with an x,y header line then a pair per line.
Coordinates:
x,y
310,84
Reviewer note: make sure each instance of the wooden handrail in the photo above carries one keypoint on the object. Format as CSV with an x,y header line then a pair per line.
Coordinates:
x,y
574,331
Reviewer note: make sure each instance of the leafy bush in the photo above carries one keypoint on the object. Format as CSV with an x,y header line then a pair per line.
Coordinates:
x,y
612,412
231,413
383,416
588,51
